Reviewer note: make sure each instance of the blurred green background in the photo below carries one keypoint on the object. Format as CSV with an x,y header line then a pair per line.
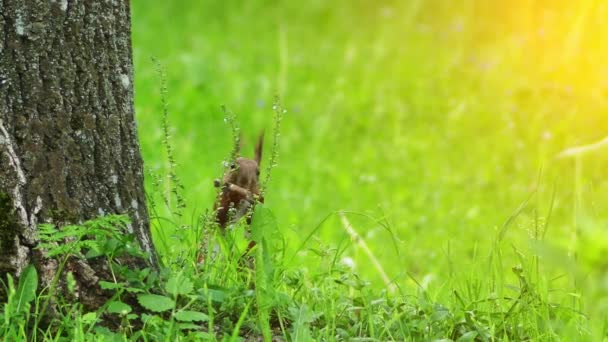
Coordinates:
x,y
435,119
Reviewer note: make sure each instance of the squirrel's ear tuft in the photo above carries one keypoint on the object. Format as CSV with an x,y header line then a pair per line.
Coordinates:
x,y
258,148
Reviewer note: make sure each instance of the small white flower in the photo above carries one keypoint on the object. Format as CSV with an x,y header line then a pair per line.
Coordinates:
x,y
348,262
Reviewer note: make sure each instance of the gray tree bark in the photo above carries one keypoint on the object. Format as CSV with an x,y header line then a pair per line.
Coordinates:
x,y
68,140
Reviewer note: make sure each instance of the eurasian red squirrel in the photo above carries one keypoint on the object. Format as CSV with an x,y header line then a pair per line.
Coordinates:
x,y
239,192
240,188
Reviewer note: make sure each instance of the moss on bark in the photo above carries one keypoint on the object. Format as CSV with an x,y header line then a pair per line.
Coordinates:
x,y
8,229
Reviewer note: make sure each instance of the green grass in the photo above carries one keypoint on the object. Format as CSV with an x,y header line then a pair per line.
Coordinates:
x,y
434,120
433,126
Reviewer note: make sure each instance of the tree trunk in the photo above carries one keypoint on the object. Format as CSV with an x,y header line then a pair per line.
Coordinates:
x,y
68,140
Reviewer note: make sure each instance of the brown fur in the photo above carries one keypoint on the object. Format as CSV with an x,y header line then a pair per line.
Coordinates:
x,y
240,188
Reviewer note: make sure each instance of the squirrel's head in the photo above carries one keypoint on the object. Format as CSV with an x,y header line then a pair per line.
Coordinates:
x,y
245,172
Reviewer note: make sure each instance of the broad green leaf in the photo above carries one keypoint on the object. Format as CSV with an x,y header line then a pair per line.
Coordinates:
x,y
263,220
93,253
155,303
119,307
9,308
263,225
215,295
188,326
469,336
202,336
190,316
26,291
301,316
150,318
107,335
179,285
89,318
106,285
